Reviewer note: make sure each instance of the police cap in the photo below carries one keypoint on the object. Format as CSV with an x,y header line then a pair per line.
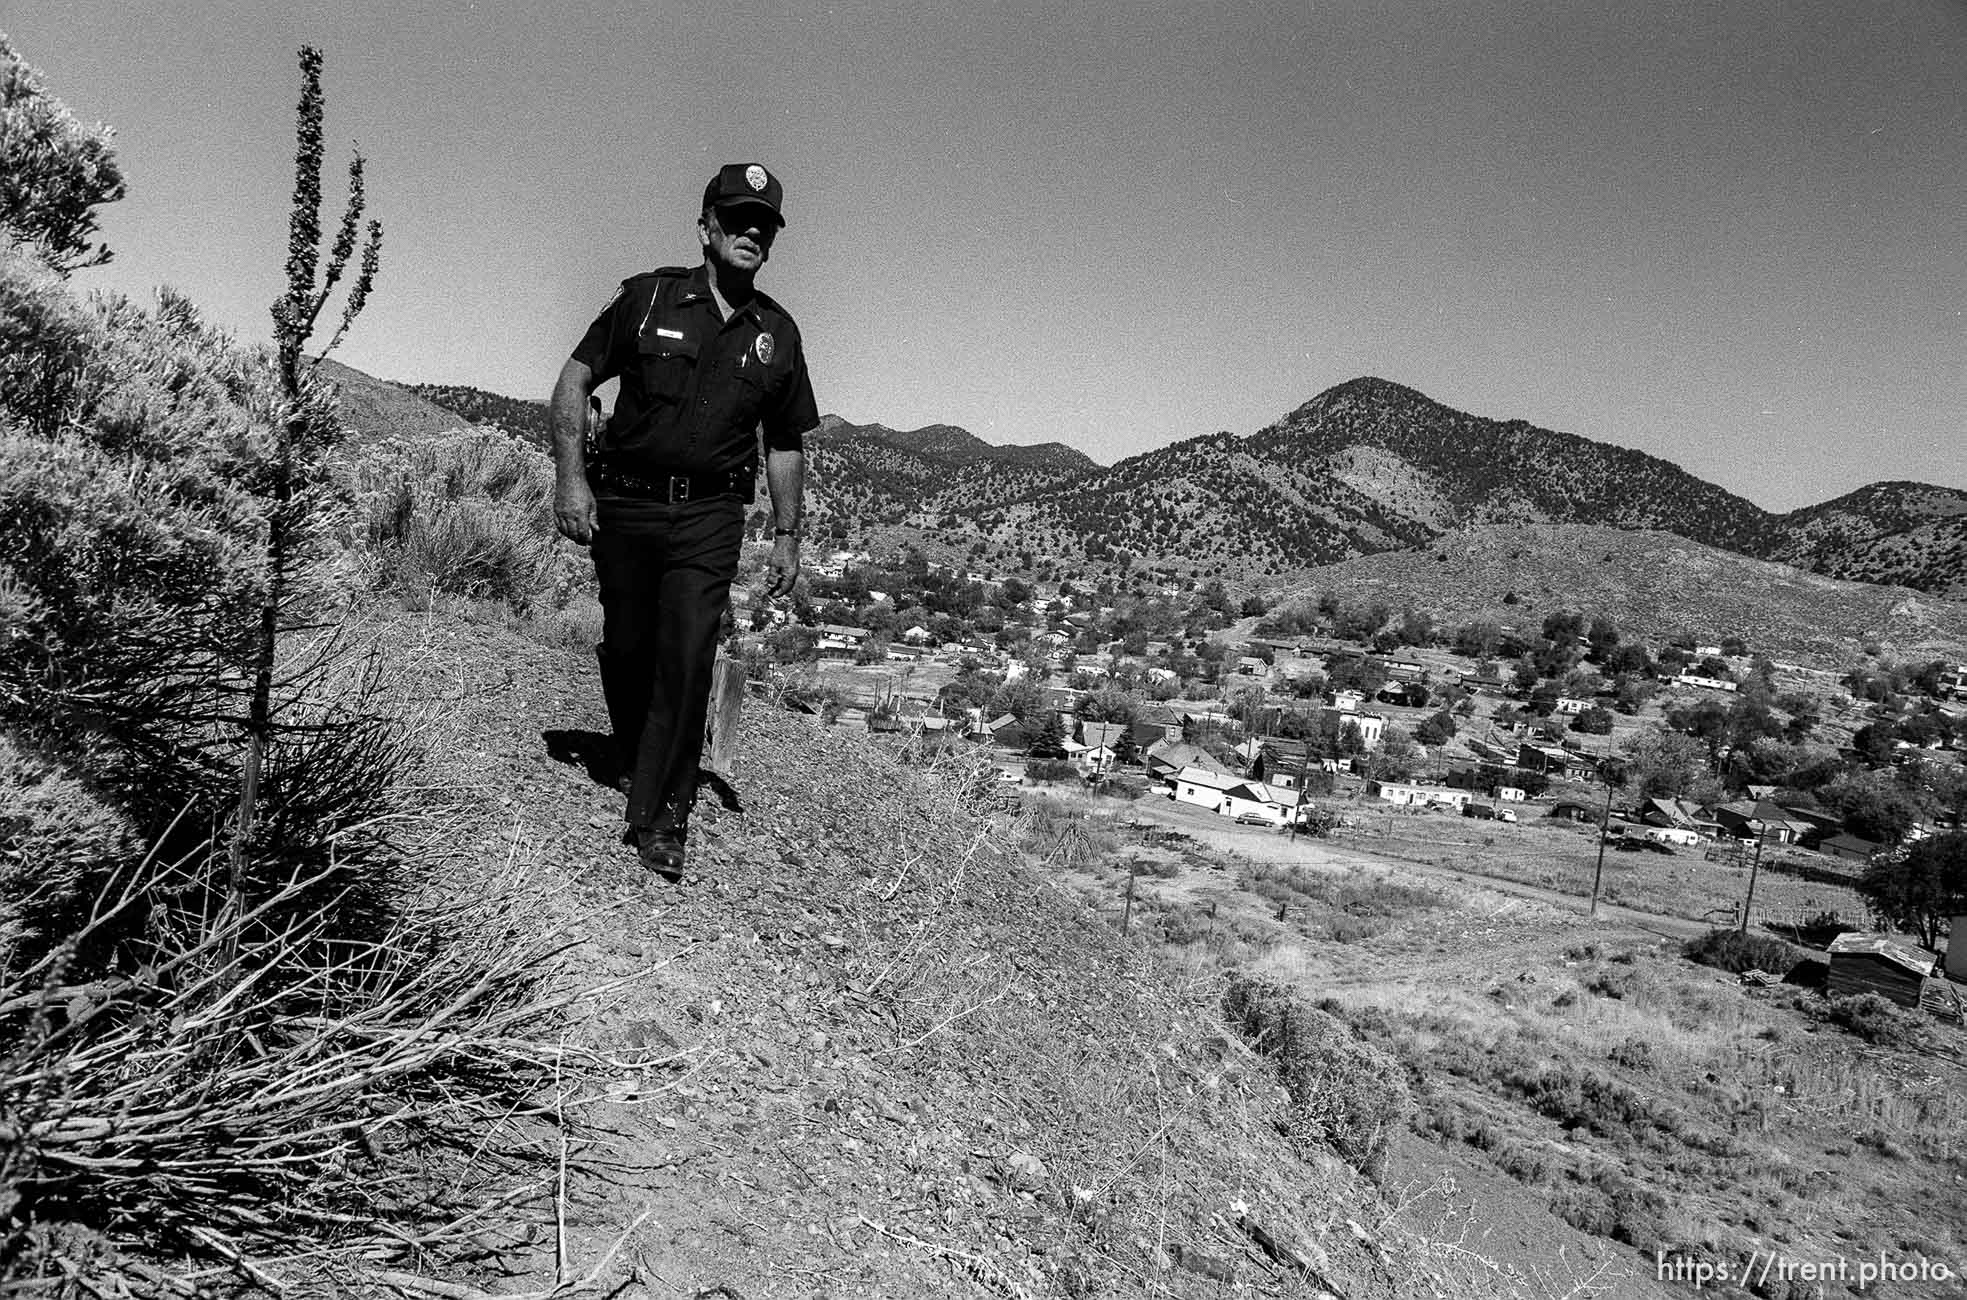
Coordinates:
x,y
747,184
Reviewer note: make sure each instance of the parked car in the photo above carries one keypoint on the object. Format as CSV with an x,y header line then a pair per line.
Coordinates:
x,y
1255,819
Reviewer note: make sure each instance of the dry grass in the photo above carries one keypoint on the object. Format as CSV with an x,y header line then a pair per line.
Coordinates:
x,y
265,1106
1659,1107
1563,858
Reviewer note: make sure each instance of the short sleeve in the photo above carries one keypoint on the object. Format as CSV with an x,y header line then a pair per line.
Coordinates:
x,y
787,420
596,348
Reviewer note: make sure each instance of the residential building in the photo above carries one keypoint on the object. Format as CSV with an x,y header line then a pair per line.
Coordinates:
x,y
1706,683
1853,848
1747,819
1551,760
1412,795
1370,726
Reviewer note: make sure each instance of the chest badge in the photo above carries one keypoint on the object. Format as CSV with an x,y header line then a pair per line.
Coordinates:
x,y
763,347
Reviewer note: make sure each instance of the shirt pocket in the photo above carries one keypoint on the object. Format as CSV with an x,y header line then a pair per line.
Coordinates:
x,y
668,365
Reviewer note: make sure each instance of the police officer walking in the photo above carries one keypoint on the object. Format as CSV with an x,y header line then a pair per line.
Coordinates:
x,y
706,362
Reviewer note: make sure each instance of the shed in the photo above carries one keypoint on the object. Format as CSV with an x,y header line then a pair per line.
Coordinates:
x,y
1878,963
1851,848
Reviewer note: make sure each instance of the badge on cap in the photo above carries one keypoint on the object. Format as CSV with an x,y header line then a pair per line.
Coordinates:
x,y
755,177
764,349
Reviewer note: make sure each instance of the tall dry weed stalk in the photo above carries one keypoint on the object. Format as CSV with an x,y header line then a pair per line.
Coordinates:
x,y
307,428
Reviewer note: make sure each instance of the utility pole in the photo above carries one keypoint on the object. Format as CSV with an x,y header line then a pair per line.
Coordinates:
x,y
1755,866
1598,873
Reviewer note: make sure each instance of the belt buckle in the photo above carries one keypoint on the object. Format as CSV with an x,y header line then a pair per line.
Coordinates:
x,y
679,488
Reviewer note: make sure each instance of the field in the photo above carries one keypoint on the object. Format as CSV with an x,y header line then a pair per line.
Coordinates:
x,y
1608,1083
1792,887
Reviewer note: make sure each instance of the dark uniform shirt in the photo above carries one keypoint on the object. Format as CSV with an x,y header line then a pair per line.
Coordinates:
x,y
694,388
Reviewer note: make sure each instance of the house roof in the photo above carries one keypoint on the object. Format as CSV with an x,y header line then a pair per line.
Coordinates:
x,y
1182,754
1762,810
1669,809
1850,843
1909,955
1208,779
1102,733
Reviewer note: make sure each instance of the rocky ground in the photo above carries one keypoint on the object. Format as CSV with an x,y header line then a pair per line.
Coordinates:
x,y
894,1059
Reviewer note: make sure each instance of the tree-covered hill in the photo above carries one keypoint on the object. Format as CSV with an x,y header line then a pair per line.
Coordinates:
x,y
1364,467
1909,533
516,416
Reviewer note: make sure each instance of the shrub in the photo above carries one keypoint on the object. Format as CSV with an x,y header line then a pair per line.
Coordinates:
x,y
466,513
53,170
1633,1054
1734,952
1874,1018
1344,1093
1050,771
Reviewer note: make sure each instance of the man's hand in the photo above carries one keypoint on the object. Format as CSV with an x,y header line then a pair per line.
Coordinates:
x,y
573,511
785,567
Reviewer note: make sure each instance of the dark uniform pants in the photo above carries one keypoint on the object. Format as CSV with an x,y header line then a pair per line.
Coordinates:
x,y
665,572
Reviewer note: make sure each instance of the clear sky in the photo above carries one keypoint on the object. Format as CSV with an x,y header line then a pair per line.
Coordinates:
x,y
1732,233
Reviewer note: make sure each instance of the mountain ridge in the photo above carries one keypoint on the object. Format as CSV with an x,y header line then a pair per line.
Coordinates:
x,y
1366,466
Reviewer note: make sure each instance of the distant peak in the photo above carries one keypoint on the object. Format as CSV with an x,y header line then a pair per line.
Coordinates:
x,y
1369,389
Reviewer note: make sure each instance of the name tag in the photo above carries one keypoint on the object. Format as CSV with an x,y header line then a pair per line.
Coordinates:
x,y
668,334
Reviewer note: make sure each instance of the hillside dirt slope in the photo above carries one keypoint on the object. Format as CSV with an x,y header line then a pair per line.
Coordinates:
x,y
899,1062
1659,584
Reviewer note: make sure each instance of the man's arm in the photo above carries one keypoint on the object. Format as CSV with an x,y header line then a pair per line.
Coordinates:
x,y
785,475
573,501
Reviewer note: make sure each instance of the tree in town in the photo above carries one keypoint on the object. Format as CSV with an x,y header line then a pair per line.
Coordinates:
x,y
1050,740
1564,626
1594,721
1918,888
1602,639
1021,697
1395,758
1438,729
1478,640
1355,672
1874,805
1107,704
1662,764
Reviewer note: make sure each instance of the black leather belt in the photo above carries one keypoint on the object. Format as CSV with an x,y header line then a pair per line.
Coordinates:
x,y
674,489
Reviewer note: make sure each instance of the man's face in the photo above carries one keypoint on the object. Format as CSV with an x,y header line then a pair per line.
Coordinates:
x,y
739,235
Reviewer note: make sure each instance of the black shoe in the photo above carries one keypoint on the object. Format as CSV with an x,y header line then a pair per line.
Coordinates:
x,y
660,849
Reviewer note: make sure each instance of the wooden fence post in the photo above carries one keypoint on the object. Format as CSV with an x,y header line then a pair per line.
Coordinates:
x,y
721,722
